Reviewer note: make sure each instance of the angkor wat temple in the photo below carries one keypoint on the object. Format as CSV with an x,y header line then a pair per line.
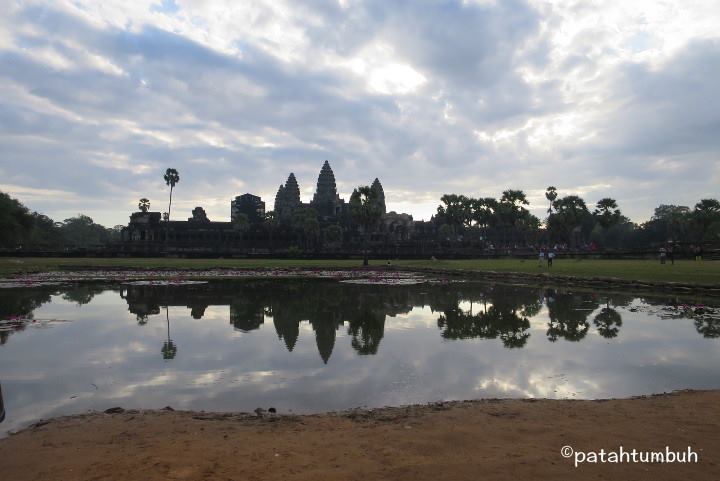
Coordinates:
x,y
294,224
326,202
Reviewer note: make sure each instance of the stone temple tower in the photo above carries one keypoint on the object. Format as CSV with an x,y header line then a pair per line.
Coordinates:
x,y
287,198
292,192
325,200
279,199
377,187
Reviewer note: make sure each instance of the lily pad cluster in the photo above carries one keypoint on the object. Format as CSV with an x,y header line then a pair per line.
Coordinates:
x,y
17,323
184,277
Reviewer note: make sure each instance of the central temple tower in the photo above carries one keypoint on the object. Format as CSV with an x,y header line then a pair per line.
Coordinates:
x,y
326,201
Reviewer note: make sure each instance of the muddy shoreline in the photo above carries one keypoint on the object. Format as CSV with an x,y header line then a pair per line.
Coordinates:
x,y
484,439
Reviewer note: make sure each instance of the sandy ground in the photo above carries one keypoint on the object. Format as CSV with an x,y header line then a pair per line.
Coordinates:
x,y
497,440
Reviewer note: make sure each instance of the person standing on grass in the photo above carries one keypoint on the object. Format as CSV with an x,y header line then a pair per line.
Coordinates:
x,y
541,256
671,254
550,257
663,254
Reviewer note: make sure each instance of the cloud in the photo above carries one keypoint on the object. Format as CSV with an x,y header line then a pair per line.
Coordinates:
x,y
445,96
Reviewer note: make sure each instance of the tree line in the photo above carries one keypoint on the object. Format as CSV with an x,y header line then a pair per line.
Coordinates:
x,y
22,228
503,222
569,221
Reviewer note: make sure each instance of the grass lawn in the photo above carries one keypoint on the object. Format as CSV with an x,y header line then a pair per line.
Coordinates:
x,y
704,272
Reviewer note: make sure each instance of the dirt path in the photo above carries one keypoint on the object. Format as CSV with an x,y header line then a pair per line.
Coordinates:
x,y
496,440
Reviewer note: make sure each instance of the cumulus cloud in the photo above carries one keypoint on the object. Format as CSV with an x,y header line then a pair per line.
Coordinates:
x,y
445,96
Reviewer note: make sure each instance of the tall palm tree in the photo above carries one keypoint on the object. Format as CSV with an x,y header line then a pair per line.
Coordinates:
x,y
551,195
171,178
366,211
144,204
169,349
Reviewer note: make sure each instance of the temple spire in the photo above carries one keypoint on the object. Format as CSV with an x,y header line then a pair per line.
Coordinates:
x,y
292,191
325,199
287,198
326,188
279,199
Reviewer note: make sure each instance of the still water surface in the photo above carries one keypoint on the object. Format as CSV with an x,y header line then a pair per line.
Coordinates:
x,y
318,345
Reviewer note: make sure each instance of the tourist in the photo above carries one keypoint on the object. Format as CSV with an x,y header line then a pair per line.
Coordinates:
x,y
550,257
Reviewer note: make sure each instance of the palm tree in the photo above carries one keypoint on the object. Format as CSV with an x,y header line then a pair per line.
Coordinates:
x,y
454,210
144,205
365,210
706,212
169,349
551,195
607,212
171,178
511,209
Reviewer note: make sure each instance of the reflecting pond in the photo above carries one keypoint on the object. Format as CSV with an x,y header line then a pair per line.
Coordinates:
x,y
317,345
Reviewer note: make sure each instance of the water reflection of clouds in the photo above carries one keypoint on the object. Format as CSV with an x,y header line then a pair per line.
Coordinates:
x,y
539,322
221,367
418,317
506,386
131,389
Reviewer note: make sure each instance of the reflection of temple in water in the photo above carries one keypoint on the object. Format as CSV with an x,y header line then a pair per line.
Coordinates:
x,y
463,310
501,312
287,304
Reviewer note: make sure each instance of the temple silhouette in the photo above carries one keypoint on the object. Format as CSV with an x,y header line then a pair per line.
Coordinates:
x,y
326,202
295,224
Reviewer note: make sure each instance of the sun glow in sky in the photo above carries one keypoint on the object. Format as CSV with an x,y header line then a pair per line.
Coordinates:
x,y
467,97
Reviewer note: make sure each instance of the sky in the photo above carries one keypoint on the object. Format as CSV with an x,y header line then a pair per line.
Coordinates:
x,y
600,99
